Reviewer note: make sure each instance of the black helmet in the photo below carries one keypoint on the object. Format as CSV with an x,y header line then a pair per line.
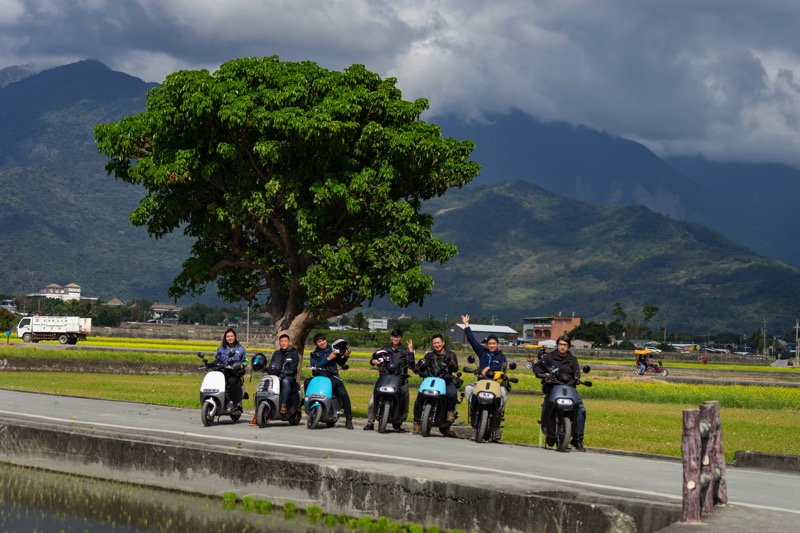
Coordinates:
x,y
380,353
339,346
258,361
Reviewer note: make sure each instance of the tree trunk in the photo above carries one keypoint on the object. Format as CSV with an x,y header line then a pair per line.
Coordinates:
x,y
690,449
297,327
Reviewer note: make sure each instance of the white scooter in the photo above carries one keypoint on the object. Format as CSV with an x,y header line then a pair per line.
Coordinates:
x,y
214,394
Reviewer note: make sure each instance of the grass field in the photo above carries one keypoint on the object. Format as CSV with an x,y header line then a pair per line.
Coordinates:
x,y
624,412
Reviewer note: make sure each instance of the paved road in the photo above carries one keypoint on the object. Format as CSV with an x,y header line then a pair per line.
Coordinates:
x,y
503,465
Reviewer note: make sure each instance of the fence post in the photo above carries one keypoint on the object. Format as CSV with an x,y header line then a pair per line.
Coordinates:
x,y
690,449
720,492
708,456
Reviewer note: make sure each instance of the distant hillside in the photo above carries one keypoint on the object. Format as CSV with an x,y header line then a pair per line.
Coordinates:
x,y
15,73
64,220
755,204
750,204
525,252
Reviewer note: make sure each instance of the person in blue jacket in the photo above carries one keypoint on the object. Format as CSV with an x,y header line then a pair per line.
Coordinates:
x,y
230,352
490,357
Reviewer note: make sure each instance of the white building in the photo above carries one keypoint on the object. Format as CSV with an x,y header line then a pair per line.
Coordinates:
x,y
505,334
71,291
378,324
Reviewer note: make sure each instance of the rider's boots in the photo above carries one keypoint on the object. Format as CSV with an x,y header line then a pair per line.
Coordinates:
x,y
254,421
348,424
417,429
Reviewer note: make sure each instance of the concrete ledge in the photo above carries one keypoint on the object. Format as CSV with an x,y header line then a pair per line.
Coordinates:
x,y
356,488
772,461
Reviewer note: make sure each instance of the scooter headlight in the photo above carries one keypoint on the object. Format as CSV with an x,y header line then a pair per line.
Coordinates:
x,y
387,389
486,395
316,396
211,391
428,392
565,402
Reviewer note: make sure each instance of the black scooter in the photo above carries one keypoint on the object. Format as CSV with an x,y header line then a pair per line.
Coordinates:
x,y
388,394
560,411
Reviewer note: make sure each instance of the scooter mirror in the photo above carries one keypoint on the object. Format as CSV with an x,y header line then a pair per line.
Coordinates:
x,y
513,365
345,367
471,358
587,369
200,355
587,383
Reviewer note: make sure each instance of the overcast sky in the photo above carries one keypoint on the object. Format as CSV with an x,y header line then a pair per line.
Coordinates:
x,y
681,76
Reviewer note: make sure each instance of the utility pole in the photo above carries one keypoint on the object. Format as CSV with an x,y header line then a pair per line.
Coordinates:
x,y
796,351
764,353
665,333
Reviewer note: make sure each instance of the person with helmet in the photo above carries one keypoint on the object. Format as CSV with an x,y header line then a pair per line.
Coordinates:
x,y
288,360
230,352
560,366
399,355
330,357
439,362
490,358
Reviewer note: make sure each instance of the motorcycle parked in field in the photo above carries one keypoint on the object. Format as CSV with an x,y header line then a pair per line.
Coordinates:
x,y
390,406
560,411
432,393
320,404
486,409
268,395
214,397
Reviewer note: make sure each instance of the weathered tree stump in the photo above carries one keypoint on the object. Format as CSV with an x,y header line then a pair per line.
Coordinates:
x,y
690,449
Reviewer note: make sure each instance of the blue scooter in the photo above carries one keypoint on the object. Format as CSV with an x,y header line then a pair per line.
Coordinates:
x,y
432,393
320,404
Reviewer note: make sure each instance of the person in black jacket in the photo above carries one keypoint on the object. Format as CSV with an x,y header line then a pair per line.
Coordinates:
x,y
403,357
439,362
324,357
288,360
560,366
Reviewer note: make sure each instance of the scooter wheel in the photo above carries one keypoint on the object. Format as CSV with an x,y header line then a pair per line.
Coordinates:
x,y
564,435
262,415
205,414
314,416
296,418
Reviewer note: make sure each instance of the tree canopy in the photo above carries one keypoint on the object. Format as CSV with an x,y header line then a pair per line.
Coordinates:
x,y
301,187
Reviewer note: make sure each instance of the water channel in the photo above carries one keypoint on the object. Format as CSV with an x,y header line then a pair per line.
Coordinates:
x,y
33,500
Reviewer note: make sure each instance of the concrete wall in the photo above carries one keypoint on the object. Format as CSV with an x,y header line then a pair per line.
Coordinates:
x,y
419,496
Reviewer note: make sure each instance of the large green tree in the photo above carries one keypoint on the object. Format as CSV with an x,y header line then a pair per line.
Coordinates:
x,y
301,187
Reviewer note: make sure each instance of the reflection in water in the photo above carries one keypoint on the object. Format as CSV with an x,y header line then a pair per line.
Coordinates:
x,y
36,500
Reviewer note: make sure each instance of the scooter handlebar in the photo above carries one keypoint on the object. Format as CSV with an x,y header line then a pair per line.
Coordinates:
x,y
513,380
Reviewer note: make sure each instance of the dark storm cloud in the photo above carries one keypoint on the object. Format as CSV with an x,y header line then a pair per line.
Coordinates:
x,y
682,76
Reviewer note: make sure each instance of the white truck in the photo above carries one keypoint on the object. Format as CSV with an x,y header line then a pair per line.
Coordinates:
x,y
64,329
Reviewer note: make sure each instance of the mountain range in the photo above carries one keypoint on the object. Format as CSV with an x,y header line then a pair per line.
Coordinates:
x,y
563,219
754,204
